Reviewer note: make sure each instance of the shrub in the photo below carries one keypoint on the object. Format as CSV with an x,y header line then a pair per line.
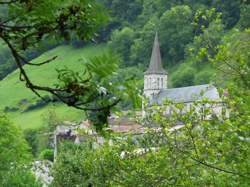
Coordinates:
x,y
184,76
14,156
47,154
10,109
203,77
31,137
39,104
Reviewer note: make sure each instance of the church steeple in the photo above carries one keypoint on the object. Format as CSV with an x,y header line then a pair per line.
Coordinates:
x,y
155,78
155,66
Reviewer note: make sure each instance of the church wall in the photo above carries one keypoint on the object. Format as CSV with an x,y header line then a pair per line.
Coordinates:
x,y
154,83
216,109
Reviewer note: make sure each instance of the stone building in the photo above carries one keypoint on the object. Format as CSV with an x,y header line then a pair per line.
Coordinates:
x,y
157,91
155,78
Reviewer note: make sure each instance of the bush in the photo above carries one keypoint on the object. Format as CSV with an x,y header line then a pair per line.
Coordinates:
x,y
203,77
38,139
38,104
14,157
31,137
184,76
10,109
121,41
21,177
47,154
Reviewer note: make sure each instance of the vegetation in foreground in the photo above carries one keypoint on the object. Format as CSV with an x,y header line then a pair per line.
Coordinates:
x,y
202,153
14,157
212,152
207,153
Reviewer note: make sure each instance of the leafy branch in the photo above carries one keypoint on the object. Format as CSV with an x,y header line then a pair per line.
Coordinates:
x,y
28,27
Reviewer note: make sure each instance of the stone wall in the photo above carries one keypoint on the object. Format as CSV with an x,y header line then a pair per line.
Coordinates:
x,y
154,83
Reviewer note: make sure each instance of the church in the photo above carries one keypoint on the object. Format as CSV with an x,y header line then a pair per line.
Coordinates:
x,y
157,91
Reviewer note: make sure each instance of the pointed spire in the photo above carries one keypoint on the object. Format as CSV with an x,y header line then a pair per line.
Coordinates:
x,y
155,66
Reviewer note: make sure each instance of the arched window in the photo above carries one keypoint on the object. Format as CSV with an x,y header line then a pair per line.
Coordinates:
x,y
158,83
162,82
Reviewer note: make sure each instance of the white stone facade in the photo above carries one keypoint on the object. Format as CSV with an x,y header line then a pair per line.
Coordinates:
x,y
216,109
154,83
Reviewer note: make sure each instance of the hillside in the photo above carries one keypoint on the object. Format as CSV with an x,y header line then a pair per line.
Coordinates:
x,y
165,98
16,98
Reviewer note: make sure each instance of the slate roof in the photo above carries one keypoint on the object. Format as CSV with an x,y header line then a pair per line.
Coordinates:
x,y
187,94
155,66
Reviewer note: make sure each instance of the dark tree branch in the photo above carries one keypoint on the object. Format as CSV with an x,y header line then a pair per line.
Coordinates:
x,y
76,91
98,109
15,27
59,93
23,75
42,63
246,175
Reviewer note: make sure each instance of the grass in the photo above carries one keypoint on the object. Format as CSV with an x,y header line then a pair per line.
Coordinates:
x,y
37,118
14,94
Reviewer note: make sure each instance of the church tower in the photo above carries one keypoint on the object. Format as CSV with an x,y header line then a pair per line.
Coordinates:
x,y
155,78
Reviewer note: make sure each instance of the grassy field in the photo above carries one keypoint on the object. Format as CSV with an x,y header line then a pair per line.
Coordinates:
x,y
14,94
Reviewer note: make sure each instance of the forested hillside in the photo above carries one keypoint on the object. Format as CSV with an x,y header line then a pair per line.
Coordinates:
x,y
190,34
73,111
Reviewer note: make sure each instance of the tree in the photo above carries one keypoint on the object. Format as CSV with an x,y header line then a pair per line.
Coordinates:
x,y
244,17
184,76
122,15
121,42
233,59
29,23
176,32
142,46
126,11
14,156
211,152
205,76
6,62
110,91
209,32
149,10
205,44
230,11
202,152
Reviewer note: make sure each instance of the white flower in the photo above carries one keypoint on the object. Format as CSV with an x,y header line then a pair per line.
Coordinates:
x,y
102,90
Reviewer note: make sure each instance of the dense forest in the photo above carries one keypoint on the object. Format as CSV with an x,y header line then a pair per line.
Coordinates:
x,y
190,34
41,64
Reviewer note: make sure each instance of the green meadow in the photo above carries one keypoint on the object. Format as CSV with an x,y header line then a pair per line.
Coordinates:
x,y
15,97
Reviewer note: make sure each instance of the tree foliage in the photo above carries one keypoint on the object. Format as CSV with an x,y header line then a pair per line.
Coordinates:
x,y
27,25
14,157
141,47
121,42
192,38
202,152
176,32
233,58
209,149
